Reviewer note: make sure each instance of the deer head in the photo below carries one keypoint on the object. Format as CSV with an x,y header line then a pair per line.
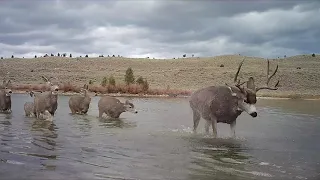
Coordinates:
x,y
53,88
84,90
6,86
247,96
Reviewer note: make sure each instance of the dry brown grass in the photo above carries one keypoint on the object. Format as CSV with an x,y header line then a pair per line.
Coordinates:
x,y
299,75
124,89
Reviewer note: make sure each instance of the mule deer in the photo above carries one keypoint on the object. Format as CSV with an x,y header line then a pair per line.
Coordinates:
x,y
5,97
29,107
113,107
80,103
46,101
224,103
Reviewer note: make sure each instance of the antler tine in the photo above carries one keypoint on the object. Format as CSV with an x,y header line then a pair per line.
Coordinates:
x,y
269,78
275,71
45,79
237,73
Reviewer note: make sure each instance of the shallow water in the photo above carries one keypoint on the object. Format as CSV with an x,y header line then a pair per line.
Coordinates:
x,y
158,143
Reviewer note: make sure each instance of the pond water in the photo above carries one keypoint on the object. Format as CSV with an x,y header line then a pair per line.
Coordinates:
x,y
158,143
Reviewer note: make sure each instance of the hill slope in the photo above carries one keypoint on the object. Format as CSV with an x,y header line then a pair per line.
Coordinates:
x,y
186,74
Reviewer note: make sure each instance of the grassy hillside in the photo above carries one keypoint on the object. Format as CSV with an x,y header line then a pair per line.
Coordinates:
x,y
299,75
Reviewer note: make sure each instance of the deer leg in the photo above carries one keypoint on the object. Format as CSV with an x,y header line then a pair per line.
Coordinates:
x,y
214,126
207,126
100,113
196,119
233,129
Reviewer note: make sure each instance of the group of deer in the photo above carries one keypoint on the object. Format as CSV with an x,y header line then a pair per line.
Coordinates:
x,y
215,104
45,103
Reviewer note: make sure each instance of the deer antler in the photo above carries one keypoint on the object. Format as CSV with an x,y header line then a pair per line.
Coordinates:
x,y
239,83
269,78
45,79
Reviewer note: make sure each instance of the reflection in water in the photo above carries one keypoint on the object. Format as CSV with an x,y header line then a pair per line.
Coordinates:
x,y
44,133
222,157
116,123
158,143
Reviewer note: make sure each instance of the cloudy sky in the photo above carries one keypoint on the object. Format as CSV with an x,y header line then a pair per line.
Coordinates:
x,y
159,28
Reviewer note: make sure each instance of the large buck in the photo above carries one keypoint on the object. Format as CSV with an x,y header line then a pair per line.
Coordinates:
x,y
224,103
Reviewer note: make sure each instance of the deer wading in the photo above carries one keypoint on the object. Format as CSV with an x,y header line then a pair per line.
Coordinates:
x,y
224,103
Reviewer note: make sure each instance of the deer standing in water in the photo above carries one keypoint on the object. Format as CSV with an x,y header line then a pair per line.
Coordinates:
x,y
224,103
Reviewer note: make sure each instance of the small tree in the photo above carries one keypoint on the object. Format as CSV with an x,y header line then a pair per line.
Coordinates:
x,y
86,56
35,56
145,85
129,78
104,82
140,81
313,55
70,55
112,81
1,57
12,56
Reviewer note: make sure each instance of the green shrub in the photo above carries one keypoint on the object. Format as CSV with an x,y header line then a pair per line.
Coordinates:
x,y
140,81
104,82
129,77
112,81
145,85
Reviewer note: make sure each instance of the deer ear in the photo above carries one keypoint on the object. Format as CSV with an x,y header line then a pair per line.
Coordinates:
x,y
250,84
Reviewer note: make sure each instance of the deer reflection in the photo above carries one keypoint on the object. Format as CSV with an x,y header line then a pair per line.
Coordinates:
x,y
44,133
217,158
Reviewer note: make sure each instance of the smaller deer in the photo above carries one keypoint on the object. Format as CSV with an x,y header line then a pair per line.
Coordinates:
x,y
113,107
29,107
46,101
80,103
5,97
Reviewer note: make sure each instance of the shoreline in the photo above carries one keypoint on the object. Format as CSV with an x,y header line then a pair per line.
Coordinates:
x,y
282,97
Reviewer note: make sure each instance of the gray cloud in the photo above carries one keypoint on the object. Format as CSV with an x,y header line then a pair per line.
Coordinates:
x,y
159,28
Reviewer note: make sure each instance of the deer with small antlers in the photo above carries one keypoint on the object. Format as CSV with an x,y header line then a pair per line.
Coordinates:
x,y
46,101
80,103
224,103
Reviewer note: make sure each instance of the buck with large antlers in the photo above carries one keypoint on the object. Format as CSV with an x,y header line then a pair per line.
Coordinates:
x,y
223,104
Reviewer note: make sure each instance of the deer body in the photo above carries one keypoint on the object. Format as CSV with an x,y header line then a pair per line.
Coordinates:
x,y
46,101
113,107
224,103
29,109
5,97
80,103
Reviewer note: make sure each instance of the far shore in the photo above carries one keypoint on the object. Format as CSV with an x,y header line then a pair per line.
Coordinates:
x,y
299,75
283,97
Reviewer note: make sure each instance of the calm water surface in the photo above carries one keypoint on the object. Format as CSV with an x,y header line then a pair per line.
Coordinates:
x,y
158,143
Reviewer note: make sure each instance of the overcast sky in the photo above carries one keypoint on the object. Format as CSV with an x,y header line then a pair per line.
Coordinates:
x,y
159,28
